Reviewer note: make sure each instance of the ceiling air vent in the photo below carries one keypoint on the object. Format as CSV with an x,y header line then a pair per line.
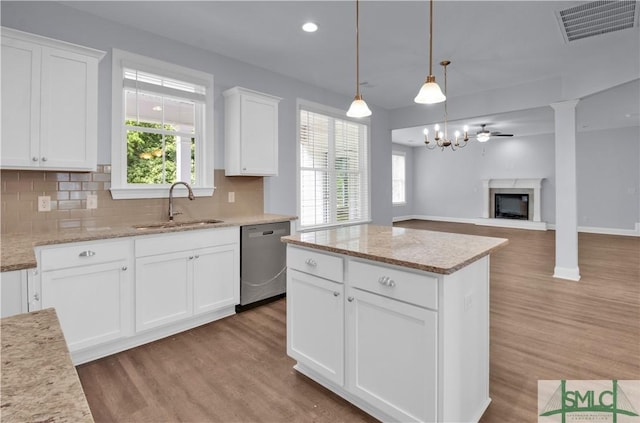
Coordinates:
x,y
597,17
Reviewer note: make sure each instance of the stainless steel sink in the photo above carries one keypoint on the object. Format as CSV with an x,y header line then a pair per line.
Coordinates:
x,y
169,225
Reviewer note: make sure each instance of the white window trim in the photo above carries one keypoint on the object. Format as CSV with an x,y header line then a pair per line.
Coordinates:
x,y
340,114
204,166
400,203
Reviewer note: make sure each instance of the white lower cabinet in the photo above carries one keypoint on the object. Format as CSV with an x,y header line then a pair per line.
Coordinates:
x,y
316,341
403,345
89,285
111,295
183,275
392,358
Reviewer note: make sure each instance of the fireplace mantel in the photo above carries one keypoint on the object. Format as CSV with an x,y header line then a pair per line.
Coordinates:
x,y
534,184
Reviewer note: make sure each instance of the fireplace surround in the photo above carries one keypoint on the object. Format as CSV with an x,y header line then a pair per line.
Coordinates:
x,y
531,187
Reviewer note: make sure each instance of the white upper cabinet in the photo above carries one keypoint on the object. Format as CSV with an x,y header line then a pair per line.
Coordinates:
x,y
251,133
49,103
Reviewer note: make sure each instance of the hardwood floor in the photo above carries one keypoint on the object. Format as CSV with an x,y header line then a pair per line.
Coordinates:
x,y
236,369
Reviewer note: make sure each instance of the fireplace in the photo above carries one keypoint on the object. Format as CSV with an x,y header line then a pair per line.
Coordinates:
x,y
511,206
519,203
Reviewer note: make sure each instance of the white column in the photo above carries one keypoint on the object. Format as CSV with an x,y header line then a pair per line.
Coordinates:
x,y
566,192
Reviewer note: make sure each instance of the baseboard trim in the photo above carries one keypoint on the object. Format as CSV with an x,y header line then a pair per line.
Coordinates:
x,y
401,218
511,223
572,274
609,231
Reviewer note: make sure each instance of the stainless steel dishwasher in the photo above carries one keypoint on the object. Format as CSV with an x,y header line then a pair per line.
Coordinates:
x,y
263,262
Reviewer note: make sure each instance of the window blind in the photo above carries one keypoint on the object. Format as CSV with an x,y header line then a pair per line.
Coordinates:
x,y
334,180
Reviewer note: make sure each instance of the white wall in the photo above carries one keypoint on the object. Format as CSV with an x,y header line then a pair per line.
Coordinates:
x,y
64,23
449,184
608,168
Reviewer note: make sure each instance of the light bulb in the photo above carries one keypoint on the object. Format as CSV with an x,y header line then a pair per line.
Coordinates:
x,y
457,134
425,131
436,127
465,128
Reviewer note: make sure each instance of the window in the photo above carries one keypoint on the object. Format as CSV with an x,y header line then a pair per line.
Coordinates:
x,y
399,177
162,127
333,166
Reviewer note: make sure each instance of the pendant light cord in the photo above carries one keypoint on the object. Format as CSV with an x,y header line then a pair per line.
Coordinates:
x,y
430,37
357,49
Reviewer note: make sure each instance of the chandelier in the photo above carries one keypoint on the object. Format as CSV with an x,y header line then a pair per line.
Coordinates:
x,y
359,107
430,91
442,139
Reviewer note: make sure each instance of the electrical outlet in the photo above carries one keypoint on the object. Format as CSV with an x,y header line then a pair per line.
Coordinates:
x,y
44,203
92,201
232,197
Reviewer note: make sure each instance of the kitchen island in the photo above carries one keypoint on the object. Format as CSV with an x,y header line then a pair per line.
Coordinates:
x,y
394,320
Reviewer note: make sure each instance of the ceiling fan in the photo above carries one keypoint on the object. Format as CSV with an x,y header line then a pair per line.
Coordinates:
x,y
484,134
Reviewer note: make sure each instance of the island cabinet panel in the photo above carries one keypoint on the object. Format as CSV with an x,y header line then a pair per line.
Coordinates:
x,y
392,355
89,285
315,324
413,345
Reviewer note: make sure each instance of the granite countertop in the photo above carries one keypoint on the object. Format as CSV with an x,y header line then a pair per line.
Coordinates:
x,y
437,252
17,249
39,382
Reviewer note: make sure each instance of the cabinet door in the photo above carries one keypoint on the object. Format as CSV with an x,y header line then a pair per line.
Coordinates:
x,y
315,324
20,104
164,293
216,280
259,136
13,293
91,302
392,350
68,111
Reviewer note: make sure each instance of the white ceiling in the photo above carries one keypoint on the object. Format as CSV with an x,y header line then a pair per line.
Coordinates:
x,y
491,44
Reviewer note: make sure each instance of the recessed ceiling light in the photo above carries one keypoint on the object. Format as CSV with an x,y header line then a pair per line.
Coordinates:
x,y
309,27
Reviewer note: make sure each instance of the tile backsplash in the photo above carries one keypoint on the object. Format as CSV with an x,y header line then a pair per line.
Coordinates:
x,y
68,192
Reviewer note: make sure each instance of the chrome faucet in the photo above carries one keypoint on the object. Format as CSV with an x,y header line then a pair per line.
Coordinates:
x,y
191,197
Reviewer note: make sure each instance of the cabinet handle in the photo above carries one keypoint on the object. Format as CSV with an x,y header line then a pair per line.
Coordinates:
x,y
197,256
36,297
386,281
311,262
124,267
336,293
190,257
87,253
350,299
44,159
34,159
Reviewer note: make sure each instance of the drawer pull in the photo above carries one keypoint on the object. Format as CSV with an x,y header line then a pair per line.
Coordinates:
x,y
350,299
87,253
386,281
336,293
124,268
311,262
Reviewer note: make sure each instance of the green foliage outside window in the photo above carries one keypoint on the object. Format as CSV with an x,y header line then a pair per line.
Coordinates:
x,y
148,160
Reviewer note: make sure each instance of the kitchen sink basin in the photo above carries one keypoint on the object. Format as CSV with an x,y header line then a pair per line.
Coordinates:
x,y
169,225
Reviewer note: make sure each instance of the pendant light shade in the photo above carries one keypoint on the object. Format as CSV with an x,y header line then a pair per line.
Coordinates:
x,y
430,91
358,107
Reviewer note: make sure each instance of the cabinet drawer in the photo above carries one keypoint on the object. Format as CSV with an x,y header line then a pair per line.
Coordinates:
x,y
185,241
413,288
318,264
82,253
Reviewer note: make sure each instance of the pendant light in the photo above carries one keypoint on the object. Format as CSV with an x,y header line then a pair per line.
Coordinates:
x,y
430,92
358,108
